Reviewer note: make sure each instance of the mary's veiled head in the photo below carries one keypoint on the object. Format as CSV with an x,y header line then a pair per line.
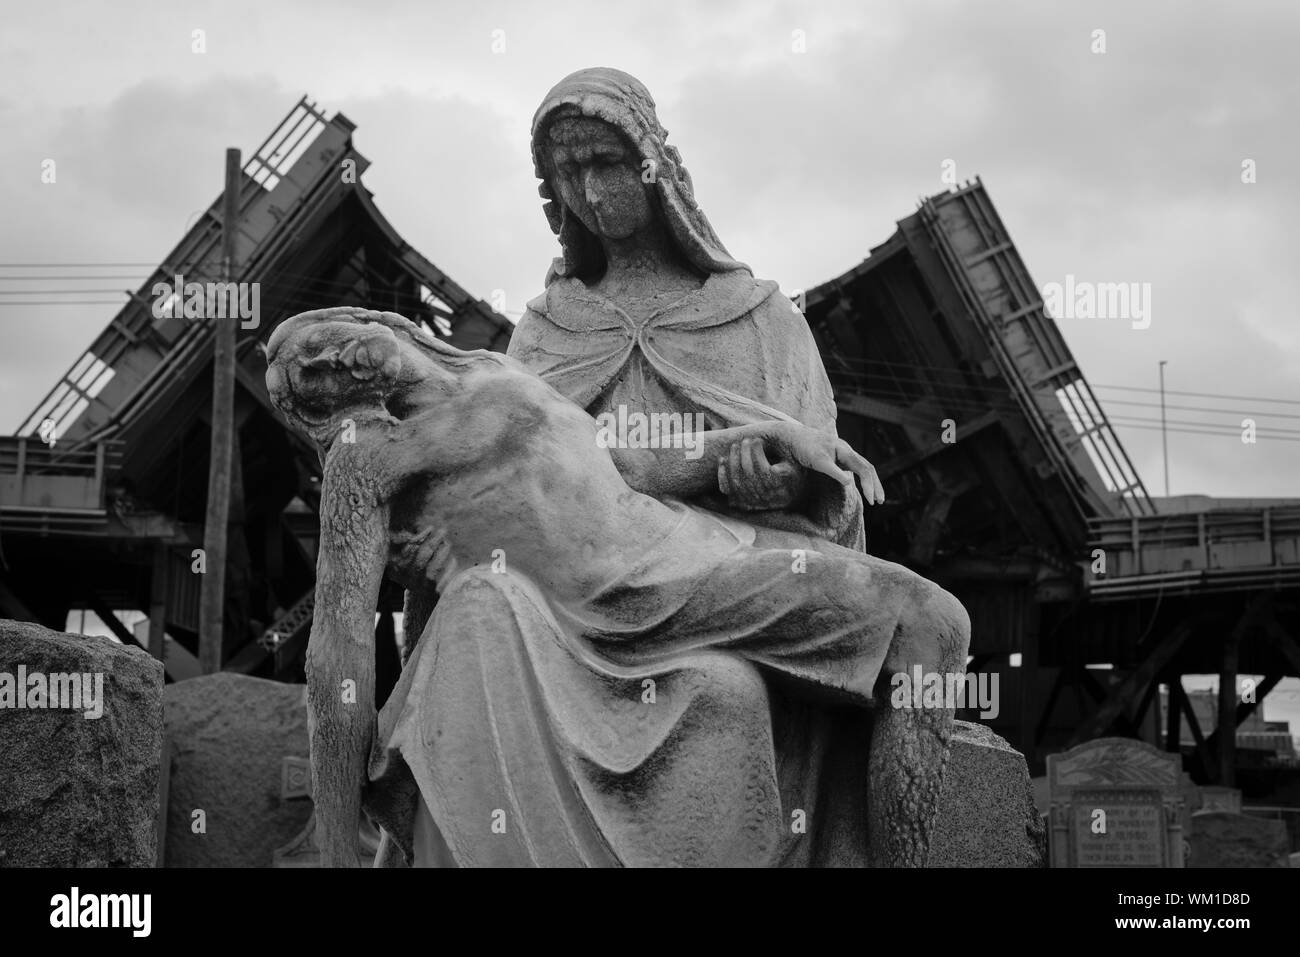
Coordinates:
x,y
610,114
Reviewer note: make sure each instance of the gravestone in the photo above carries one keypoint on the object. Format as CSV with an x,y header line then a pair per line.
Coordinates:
x,y
1115,802
1215,798
1224,839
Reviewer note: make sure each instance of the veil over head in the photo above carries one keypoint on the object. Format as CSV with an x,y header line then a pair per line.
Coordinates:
x,y
621,100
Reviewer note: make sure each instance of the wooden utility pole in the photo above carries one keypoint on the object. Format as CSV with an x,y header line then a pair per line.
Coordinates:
x,y
212,603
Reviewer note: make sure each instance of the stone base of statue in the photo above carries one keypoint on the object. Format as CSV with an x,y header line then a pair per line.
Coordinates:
x,y
987,816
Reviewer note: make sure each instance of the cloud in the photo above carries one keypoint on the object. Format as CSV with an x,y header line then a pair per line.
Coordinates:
x,y
1122,166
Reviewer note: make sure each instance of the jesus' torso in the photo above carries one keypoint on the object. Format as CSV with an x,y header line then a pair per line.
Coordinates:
x,y
538,496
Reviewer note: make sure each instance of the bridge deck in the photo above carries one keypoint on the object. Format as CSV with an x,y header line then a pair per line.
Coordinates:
x,y
1210,550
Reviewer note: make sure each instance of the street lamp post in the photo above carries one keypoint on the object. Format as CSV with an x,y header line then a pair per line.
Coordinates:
x,y
1164,435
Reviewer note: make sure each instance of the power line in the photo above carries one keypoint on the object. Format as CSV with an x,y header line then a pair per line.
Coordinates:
x,y
974,397
977,405
60,302
1202,395
973,404
1228,428
1196,408
1156,427
970,396
150,265
55,292
927,375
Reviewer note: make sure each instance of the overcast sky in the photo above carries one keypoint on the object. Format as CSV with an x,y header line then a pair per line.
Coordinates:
x,y
1122,166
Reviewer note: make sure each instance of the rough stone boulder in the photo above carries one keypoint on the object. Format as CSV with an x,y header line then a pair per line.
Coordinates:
x,y
77,790
987,816
228,736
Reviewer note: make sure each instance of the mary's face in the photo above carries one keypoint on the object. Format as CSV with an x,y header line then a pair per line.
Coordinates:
x,y
598,177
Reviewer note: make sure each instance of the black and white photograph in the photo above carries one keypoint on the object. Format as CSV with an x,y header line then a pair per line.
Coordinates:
x,y
413,455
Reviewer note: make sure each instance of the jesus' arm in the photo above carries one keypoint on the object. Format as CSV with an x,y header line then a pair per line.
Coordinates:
x,y
683,471
340,655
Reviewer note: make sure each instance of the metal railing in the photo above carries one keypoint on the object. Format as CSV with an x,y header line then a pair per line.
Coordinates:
x,y
35,476
1216,549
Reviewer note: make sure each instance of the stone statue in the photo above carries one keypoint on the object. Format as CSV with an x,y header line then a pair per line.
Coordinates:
x,y
595,684
647,310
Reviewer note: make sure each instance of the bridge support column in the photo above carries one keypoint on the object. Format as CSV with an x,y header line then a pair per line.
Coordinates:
x,y
1227,728
158,588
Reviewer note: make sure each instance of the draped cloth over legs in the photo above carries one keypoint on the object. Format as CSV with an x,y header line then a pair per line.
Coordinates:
x,y
637,728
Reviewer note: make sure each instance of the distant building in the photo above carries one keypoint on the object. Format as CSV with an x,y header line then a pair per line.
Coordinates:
x,y
1253,732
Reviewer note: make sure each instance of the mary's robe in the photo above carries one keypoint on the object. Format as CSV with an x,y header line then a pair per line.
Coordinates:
x,y
531,748
735,350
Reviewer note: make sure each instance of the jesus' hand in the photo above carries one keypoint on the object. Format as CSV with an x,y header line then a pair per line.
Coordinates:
x,y
750,481
753,483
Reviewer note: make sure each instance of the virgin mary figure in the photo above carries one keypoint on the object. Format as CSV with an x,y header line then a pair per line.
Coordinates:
x,y
645,309
532,745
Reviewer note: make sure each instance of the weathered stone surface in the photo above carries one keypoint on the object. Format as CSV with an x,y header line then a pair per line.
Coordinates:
x,y
631,656
79,791
229,735
1224,839
987,816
